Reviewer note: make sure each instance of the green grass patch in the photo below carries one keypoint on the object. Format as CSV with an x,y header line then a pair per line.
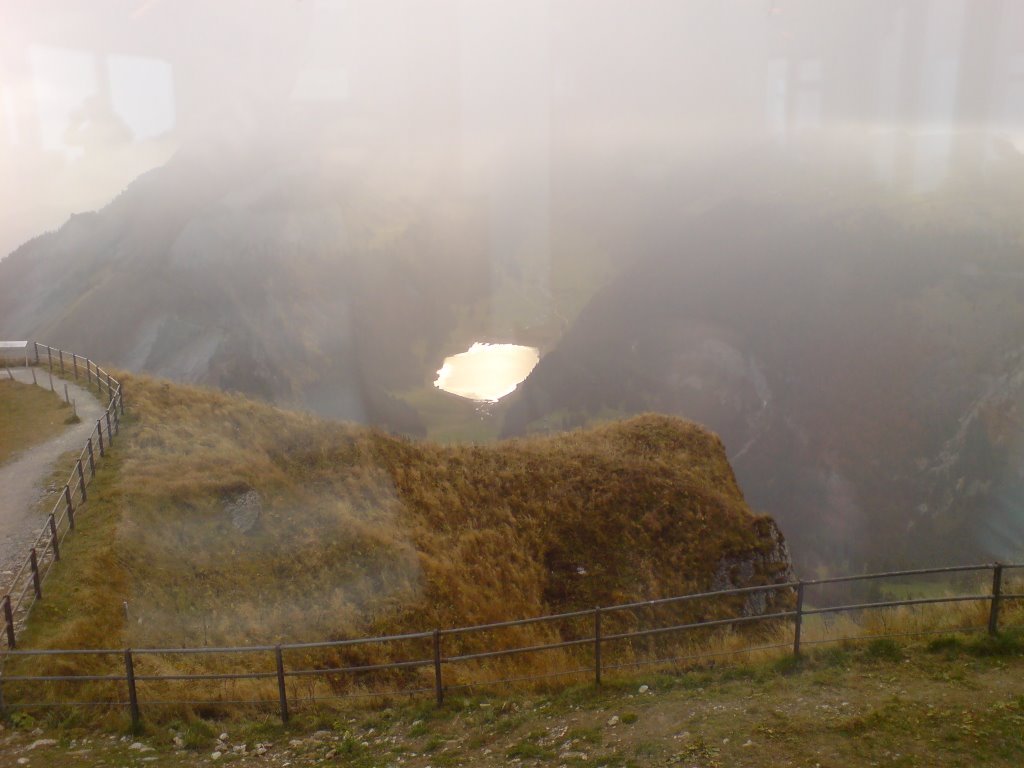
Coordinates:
x,y
30,416
883,649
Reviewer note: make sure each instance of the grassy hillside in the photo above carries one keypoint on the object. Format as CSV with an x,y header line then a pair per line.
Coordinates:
x,y
221,520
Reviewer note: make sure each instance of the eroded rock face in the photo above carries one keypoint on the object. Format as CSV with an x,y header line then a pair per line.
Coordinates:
x,y
245,510
770,565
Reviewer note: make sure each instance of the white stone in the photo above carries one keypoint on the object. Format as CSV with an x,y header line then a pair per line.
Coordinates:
x,y
644,688
613,720
42,743
215,756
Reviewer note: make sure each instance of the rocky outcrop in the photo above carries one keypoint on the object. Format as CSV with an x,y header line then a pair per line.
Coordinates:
x,y
770,565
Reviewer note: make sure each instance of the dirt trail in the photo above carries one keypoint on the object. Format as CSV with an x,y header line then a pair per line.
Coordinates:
x,y
22,480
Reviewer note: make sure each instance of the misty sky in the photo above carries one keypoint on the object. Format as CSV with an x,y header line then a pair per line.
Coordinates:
x,y
92,93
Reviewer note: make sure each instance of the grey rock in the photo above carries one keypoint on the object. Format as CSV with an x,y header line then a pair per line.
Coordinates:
x,y
245,510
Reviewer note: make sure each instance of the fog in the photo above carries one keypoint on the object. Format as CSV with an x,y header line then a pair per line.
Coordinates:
x,y
92,94
795,222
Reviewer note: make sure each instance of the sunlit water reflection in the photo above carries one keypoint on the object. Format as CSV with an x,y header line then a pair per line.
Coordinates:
x,y
487,372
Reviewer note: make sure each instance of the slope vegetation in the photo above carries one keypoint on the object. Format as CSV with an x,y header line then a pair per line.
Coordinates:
x,y
223,520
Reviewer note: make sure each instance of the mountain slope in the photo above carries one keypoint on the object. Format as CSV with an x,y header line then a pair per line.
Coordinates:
x,y
294,278
862,369
223,520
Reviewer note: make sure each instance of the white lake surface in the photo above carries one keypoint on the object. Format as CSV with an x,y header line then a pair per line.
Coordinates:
x,y
487,372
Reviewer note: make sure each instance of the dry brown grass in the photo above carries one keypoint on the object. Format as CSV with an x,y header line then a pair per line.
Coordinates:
x,y
363,533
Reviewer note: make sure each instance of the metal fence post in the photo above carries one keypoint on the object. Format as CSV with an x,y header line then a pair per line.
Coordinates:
x,y
120,397
35,345
110,433
997,595
92,459
68,505
81,481
49,358
74,362
798,619
33,562
133,697
282,693
438,685
53,538
597,646
60,354
99,429
9,622
88,371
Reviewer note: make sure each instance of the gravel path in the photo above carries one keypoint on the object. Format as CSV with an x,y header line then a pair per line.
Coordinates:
x,y
22,480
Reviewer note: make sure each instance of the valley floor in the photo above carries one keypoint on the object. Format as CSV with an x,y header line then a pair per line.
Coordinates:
x,y
949,704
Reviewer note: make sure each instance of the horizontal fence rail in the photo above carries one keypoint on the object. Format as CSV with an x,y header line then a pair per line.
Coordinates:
x,y
26,586
419,660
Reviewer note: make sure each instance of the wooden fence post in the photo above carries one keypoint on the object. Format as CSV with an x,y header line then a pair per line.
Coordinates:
x,y
49,358
438,686
99,430
99,382
282,692
35,344
88,371
92,460
120,397
597,646
110,434
53,538
133,696
60,353
81,482
997,596
74,362
67,502
798,619
33,562
9,622
110,390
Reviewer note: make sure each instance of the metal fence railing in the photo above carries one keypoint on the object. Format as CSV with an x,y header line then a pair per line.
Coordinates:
x,y
586,643
26,586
